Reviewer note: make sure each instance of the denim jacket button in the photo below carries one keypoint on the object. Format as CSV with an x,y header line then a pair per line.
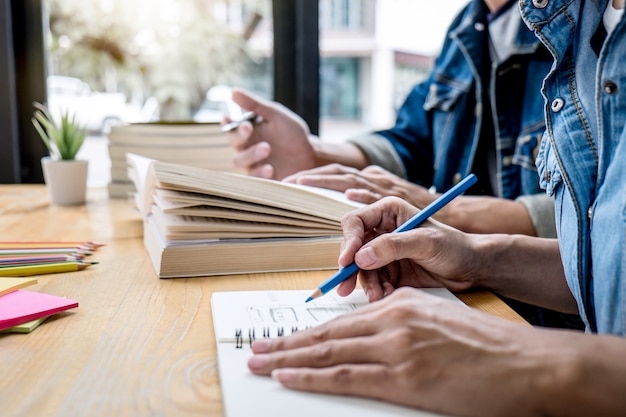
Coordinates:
x,y
590,212
557,105
610,87
507,160
540,4
547,176
457,178
479,27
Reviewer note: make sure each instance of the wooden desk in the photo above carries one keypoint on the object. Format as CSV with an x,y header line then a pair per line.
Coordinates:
x,y
136,345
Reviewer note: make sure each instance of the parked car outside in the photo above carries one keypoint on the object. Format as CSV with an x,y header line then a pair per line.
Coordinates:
x,y
217,103
95,111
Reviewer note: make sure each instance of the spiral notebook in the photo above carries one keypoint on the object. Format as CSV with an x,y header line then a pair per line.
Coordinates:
x,y
242,316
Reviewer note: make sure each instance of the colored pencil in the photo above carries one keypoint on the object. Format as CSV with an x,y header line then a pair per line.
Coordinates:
x,y
12,265
38,251
37,259
41,269
48,244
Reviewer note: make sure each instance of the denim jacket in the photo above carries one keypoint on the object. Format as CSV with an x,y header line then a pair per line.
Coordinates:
x,y
437,132
582,160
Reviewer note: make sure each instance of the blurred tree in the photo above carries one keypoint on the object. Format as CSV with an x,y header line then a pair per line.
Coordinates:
x,y
174,50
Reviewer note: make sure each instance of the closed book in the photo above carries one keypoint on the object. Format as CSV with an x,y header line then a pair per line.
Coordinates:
x,y
166,134
187,143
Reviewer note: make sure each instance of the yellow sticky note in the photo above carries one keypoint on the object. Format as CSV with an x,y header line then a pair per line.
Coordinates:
x,y
10,284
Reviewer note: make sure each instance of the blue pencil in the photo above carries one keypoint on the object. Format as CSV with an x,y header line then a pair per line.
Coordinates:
x,y
419,218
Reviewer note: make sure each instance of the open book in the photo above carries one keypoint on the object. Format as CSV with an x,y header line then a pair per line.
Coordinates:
x,y
241,316
199,222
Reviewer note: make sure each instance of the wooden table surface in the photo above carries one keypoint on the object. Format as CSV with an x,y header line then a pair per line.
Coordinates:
x,y
137,345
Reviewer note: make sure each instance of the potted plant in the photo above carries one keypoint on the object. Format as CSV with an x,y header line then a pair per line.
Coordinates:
x,y
65,176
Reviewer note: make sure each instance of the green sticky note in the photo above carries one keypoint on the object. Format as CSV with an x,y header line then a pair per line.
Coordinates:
x,y
25,327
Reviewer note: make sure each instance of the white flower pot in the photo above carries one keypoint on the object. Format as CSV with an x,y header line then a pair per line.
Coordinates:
x,y
66,180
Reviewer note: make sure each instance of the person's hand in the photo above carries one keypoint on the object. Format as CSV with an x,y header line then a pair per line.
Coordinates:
x,y
418,350
432,255
365,185
274,148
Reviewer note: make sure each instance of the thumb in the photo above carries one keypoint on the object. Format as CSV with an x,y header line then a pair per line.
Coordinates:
x,y
366,258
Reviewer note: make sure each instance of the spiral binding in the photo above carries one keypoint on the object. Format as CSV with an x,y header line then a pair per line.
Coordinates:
x,y
266,333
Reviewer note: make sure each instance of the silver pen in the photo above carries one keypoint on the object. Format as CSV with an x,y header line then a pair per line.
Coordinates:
x,y
248,116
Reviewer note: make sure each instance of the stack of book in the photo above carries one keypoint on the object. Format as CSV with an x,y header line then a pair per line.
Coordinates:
x,y
187,143
200,222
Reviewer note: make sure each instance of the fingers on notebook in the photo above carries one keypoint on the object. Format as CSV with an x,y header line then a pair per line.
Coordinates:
x,y
368,380
329,353
329,344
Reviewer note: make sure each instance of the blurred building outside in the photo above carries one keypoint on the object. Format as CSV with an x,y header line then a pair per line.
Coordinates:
x,y
372,53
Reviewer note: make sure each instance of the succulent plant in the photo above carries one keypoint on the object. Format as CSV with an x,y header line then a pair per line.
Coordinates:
x,y
63,138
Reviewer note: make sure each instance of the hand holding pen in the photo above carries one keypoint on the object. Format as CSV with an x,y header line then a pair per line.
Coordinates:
x,y
376,219
276,142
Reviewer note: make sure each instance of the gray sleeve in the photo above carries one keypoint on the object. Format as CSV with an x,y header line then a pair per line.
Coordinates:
x,y
541,210
379,151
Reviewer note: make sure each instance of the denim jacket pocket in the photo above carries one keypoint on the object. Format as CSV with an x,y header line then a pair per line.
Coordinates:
x,y
527,150
524,157
443,96
550,176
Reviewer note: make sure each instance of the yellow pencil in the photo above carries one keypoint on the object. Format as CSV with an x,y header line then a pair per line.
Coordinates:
x,y
49,268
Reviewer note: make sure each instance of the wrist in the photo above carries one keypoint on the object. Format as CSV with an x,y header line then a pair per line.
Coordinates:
x,y
485,251
343,153
584,377
320,153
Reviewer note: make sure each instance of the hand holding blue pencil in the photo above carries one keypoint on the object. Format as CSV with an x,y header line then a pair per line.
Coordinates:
x,y
419,218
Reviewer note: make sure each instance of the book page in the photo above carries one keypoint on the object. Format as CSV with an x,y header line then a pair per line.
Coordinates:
x,y
218,227
315,201
171,200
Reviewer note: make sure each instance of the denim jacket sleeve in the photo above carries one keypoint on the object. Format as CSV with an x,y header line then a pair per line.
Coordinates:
x,y
410,136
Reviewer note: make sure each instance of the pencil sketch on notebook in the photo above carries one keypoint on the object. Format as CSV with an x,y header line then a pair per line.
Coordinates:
x,y
256,314
295,315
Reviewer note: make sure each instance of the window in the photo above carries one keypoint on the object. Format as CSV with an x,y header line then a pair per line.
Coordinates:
x,y
333,61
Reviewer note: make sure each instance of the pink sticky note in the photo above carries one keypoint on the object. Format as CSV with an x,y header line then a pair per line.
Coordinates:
x,y
21,306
